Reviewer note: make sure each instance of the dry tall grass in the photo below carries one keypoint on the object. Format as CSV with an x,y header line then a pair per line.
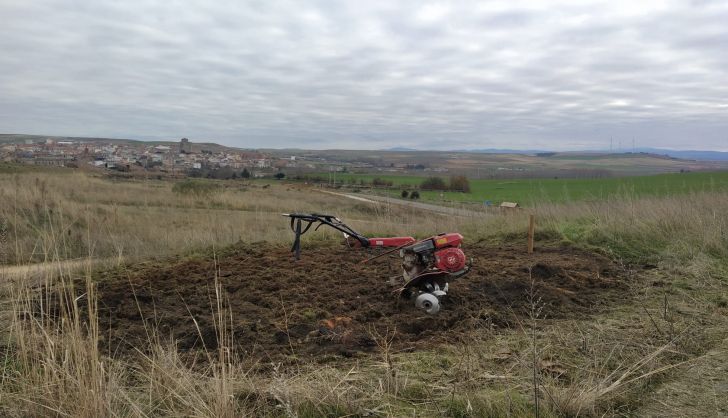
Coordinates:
x,y
687,233
53,364
70,215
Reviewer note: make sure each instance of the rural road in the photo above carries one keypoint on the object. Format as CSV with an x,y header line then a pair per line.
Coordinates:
x,y
445,210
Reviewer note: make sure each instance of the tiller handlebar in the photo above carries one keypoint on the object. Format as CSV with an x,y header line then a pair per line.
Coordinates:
x,y
298,219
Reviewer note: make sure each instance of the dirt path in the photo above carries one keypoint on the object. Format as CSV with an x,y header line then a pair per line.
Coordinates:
x,y
445,210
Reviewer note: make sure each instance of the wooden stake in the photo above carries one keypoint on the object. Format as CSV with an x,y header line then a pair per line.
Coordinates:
x,y
531,231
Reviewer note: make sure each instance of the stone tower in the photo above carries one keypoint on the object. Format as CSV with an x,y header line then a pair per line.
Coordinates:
x,y
185,147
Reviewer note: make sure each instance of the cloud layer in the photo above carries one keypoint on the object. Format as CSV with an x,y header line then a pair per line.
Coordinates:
x,y
374,74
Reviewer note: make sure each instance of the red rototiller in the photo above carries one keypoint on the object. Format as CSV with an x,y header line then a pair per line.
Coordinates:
x,y
428,265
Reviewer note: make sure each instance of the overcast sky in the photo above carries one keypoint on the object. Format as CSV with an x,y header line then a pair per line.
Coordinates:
x,y
370,74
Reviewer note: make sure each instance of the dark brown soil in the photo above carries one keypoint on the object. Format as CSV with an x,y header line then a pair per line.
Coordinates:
x,y
330,303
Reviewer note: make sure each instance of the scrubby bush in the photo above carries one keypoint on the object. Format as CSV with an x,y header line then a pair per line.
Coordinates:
x,y
433,183
195,188
405,194
415,195
379,182
459,184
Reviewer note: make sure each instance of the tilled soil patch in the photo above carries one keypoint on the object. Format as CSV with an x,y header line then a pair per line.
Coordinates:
x,y
328,302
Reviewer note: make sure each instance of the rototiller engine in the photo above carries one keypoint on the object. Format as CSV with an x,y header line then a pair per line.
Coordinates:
x,y
428,265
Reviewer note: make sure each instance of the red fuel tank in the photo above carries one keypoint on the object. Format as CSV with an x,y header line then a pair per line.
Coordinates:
x,y
452,239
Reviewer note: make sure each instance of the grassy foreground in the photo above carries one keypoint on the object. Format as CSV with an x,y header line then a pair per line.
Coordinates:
x,y
660,353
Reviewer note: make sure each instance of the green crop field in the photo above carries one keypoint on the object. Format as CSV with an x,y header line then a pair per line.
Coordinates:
x,y
529,191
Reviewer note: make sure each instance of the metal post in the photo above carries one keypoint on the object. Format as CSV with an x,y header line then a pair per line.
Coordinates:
x,y
531,231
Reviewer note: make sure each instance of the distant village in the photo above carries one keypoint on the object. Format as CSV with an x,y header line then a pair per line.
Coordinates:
x,y
183,158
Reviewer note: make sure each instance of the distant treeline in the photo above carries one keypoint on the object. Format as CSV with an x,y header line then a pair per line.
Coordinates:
x,y
519,173
458,183
222,173
227,173
316,178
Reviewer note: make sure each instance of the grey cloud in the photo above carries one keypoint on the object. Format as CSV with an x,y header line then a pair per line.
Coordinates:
x,y
369,74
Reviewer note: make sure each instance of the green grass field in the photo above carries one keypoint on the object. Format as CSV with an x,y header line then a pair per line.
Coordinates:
x,y
530,191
